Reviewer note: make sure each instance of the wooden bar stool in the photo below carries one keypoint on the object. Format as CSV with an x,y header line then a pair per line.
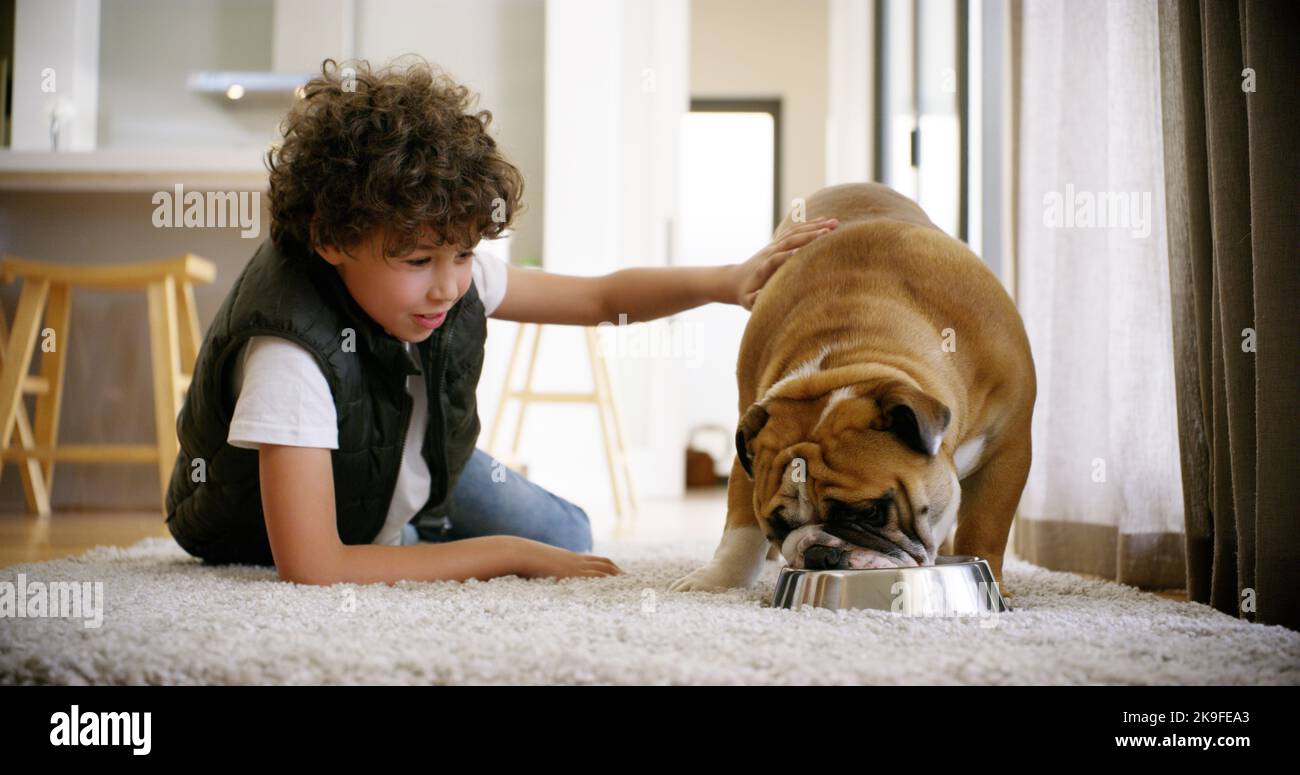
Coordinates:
x,y
174,345
601,396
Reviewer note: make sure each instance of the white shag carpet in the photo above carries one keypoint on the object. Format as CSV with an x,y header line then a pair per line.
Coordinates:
x,y
169,620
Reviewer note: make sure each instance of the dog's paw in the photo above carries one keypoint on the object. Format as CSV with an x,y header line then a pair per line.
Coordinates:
x,y
709,578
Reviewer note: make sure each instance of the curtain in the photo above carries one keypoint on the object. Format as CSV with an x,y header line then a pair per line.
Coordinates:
x,y
1230,112
1104,493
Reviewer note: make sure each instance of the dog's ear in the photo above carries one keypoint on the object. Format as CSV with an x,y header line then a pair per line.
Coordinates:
x,y
917,418
753,421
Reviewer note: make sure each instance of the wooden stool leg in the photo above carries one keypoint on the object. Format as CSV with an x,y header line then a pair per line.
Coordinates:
x,y
18,357
606,428
526,391
53,364
505,392
34,486
163,337
601,367
188,316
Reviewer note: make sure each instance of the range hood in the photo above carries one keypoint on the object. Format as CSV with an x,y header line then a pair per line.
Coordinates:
x,y
304,33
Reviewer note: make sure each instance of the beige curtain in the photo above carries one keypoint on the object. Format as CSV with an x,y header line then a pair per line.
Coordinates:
x,y
1104,491
1229,75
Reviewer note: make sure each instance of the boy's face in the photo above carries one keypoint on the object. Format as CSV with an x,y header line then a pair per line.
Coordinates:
x,y
408,295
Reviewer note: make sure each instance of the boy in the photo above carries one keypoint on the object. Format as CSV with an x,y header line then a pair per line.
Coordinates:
x,y
332,407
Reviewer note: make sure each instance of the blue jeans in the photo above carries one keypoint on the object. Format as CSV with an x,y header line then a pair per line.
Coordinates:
x,y
505,504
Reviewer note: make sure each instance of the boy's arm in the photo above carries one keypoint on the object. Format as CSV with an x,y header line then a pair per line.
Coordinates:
x,y
297,485
646,293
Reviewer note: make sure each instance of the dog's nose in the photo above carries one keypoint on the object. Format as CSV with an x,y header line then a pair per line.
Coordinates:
x,y
822,557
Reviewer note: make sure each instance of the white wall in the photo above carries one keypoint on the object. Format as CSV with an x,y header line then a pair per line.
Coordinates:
x,y
602,213
148,48
55,50
850,92
615,89
499,49
495,47
770,48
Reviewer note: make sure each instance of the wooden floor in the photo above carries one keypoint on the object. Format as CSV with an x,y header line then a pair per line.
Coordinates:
x,y
1172,594
27,538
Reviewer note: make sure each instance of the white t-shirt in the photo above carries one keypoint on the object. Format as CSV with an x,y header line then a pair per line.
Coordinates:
x,y
282,397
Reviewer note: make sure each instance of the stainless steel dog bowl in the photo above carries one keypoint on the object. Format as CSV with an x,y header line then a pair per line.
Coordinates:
x,y
958,585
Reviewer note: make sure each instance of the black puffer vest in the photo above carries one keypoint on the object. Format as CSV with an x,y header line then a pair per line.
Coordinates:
x,y
214,503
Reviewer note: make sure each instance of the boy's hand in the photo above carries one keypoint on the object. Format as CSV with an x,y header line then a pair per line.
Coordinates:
x,y
750,277
543,560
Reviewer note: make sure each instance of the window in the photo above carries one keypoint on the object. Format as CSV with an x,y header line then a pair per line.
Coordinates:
x,y
727,183
919,106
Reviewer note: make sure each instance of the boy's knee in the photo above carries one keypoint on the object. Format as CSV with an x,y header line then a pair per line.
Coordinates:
x,y
582,532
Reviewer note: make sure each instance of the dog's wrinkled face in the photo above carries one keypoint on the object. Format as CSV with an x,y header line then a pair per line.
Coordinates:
x,y
853,478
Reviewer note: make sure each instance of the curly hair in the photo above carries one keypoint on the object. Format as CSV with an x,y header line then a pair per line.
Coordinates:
x,y
394,152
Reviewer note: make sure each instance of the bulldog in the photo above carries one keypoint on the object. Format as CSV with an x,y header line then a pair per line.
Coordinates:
x,y
886,390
